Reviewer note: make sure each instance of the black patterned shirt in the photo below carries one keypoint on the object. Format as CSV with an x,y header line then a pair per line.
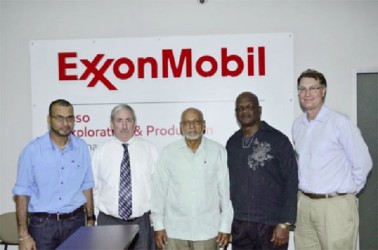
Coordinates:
x,y
263,176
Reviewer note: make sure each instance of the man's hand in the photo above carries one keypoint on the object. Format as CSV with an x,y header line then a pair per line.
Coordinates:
x,y
91,223
27,244
161,238
280,236
223,239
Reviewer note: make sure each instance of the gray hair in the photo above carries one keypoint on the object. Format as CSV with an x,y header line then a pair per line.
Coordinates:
x,y
119,107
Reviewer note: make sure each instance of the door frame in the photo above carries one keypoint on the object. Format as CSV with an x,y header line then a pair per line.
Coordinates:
x,y
354,88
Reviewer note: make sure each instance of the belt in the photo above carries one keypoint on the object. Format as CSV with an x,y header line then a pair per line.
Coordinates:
x,y
323,196
59,216
128,220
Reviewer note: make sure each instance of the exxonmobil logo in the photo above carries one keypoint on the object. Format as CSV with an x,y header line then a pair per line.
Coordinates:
x,y
170,64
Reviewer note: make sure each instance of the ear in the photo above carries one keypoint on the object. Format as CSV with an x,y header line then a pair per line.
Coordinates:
x,y
48,120
324,91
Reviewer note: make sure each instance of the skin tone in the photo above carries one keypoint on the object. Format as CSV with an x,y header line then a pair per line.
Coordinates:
x,y
248,114
59,134
60,130
312,101
123,125
192,126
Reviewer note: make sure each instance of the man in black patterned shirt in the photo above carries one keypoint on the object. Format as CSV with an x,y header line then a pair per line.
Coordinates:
x,y
263,180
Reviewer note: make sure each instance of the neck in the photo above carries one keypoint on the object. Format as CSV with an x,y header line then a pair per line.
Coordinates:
x,y
60,141
251,130
193,144
311,114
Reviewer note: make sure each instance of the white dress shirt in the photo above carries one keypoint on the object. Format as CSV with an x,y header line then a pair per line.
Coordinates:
x,y
106,163
191,194
332,155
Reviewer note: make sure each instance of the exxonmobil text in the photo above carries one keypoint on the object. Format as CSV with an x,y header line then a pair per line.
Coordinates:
x,y
170,64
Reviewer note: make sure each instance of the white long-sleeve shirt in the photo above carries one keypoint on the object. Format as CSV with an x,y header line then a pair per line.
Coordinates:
x,y
191,195
106,161
332,155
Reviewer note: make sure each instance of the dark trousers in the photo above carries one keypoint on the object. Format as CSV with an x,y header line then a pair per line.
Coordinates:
x,y
50,233
252,236
145,237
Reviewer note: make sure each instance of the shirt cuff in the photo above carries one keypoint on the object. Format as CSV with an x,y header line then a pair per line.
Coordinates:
x,y
158,225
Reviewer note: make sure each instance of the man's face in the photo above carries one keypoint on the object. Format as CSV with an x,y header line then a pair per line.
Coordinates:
x,y
192,125
311,94
123,125
61,120
247,111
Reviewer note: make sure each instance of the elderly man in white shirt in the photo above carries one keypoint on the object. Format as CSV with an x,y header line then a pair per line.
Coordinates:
x,y
191,207
107,171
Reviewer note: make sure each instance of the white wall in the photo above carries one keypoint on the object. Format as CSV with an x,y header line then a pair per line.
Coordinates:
x,y
335,37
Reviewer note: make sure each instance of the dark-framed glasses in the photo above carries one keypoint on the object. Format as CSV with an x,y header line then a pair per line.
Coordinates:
x,y
61,118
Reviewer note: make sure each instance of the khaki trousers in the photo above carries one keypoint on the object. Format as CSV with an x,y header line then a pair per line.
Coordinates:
x,y
326,224
175,244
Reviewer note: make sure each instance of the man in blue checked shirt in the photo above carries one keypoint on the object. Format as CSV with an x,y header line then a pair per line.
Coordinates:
x,y
54,183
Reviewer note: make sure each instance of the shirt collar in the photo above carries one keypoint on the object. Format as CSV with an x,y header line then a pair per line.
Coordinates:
x,y
183,145
320,117
130,141
51,144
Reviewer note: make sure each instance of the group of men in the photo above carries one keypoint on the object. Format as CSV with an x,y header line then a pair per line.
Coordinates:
x,y
196,193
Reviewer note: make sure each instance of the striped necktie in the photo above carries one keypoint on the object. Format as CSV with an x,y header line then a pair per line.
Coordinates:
x,y
125,197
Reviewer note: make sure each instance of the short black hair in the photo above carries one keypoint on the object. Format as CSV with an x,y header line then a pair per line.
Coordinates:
x,y
59,102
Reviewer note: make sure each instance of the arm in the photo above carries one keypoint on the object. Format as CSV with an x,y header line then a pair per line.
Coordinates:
x,y
227,211
158,198
356,152
26,242
289,172
89,207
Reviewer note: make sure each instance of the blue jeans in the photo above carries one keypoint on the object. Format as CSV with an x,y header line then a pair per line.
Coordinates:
x,y
49,233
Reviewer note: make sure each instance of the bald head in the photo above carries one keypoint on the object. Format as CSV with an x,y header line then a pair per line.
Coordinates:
x,y
191,110
247,97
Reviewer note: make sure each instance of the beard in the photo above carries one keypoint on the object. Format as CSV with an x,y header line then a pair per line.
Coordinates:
x,y
191,136
63,131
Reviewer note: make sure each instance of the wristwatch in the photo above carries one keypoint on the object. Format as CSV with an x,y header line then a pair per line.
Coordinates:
x,y
91,217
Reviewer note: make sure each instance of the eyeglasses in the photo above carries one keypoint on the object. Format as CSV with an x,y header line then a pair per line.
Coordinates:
x,y
195,123
60,118
248,107
311,89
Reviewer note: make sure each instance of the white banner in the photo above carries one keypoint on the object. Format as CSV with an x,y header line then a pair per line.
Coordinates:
x,y
160,77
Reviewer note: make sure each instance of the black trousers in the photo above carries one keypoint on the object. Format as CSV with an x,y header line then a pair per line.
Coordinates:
x,y
145,237
253,236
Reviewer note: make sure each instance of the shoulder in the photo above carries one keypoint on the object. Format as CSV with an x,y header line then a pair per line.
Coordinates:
x,y
272,131
78,141
272,134
299,120
174,146
337,118
235,136
139,141
145,145
38,143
